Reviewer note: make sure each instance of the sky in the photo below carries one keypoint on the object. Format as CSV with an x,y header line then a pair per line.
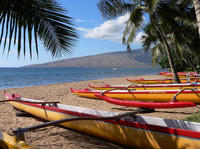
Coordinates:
x,y
96,36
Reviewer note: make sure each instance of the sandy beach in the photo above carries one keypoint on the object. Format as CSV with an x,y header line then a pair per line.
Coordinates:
x,y
56,137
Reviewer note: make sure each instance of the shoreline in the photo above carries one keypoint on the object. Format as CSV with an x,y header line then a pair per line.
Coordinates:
x,y
16,78
56,137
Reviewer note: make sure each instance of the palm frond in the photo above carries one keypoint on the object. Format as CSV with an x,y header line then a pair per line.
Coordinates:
x,y
112,8
43,19
156,52
150,38
132,25
136,17
152,4
129,33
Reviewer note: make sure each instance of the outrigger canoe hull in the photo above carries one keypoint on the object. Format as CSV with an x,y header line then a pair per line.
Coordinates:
x,y
143,95
162,81
11,142
145,87
136,131
180,74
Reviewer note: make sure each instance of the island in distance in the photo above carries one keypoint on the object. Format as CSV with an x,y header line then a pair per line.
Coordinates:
x,y
135,59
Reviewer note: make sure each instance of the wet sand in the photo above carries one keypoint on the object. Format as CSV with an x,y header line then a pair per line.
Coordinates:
x,y
58,138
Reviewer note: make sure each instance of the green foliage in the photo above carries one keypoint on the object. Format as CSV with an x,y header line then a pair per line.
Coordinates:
x,y
194,118
180,64
178,20
22,20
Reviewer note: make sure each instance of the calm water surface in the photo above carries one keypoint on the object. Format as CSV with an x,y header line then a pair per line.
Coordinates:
x,y
22,77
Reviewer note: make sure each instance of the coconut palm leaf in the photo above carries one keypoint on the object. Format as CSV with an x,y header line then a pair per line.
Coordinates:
x,y
150,38
113,8
28,20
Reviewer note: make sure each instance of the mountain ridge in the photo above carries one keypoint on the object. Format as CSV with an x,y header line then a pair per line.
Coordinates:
x,y
121,59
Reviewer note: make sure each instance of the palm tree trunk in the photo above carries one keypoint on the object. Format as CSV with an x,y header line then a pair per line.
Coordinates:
x,y
171,62
163,40
197,11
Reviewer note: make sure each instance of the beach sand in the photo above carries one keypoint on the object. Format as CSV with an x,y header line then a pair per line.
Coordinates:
x,y
58,138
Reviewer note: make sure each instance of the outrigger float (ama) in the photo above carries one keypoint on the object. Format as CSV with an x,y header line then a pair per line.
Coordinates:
x,y
140,104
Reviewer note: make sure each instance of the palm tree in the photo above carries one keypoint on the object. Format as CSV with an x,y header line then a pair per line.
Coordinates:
x,y
178,21
197,11
137,8
182,56
27,20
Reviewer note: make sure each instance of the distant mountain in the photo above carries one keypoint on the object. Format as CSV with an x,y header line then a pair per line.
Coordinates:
x,y
137,58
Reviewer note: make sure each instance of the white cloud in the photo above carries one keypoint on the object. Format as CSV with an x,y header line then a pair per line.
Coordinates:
x,y
111,30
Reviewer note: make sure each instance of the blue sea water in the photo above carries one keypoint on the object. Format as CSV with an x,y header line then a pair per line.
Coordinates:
x,y
23,77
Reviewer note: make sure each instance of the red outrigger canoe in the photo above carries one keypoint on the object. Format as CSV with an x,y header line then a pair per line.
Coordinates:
x,y
171,104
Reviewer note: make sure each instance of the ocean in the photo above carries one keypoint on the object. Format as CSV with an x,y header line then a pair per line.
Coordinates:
x,y
23,77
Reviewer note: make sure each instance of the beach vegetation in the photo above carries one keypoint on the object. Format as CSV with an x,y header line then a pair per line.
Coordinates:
x,y
137,10
193,118
29,20
181,64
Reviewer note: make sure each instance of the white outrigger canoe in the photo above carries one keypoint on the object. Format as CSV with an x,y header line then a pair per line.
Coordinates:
x,y
127,129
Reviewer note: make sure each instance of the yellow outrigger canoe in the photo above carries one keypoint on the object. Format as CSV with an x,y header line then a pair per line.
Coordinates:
x,y
187,95
126,129
163,81
145,86
11,142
